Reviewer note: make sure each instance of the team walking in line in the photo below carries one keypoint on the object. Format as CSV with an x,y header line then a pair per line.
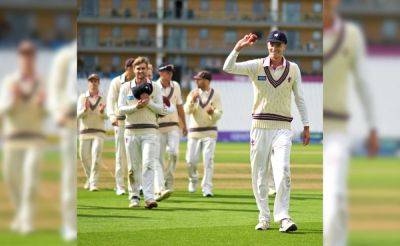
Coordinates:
x,y
149,118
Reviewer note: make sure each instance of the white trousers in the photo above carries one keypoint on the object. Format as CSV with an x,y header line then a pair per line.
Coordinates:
x,y
336,161
271,145
164,174
142,156
20,170
91,151
194,148
68,178
120,155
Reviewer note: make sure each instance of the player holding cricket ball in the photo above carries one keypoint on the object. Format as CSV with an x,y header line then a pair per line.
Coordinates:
x,y
274,79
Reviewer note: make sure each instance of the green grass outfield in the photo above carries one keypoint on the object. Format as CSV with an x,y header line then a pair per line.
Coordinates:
x,y
190,219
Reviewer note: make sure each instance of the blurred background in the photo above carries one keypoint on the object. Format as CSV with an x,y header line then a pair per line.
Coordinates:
x,y
50,25
199,34
373,182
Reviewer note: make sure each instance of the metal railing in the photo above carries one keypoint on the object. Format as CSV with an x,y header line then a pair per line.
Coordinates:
x,y
222,16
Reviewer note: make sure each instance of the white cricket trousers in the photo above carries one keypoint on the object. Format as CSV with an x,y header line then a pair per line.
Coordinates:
x,y
142,156
194,148
271,145
68,178
90,151
164,175
20,170
336,161
120,155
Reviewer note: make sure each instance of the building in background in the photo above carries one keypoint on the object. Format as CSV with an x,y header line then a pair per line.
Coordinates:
x,y
193,34
50,23
378,18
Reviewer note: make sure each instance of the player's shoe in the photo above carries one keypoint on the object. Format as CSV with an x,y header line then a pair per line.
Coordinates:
x,y
119,191
271,192
68,234
93,188
151,203
208,194
262,226
87,185
192,187
163,195
135,202
287,225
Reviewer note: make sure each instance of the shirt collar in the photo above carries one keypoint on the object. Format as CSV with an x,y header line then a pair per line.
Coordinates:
x,y
267,62
337,23
133,84
87,93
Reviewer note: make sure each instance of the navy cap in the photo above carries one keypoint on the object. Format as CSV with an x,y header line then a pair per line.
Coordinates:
x,y
277,36
129,62
93,76
167,68
203,75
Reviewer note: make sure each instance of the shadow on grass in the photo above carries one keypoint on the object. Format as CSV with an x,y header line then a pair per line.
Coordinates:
x,y
166,209
111,216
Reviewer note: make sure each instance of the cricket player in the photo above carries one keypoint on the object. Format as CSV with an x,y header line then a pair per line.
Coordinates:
x,y
344,55
203,105
23,112
141,101
91,114
118,120
274,79
62,101
169,132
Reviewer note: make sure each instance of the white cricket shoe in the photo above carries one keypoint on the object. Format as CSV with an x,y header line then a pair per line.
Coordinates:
x,y
208,194
151,203
163,195
262,226
271,192
192,187
287,225
120,191
69,234
93,188
134,203
86,185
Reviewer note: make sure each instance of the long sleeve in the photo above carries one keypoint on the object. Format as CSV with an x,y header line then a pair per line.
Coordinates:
x,y
157,105
112,99
359,68
123,106
217,109
240,68
299,97
190,107
81,111
6,98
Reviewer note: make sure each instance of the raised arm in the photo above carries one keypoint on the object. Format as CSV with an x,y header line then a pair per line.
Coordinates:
x,y
240,68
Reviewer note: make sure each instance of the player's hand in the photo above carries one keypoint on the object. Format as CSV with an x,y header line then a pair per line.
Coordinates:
x,y
247,40
87,104
373,143
143,103
306,135
144,96
114,122
210,110
184,131
41,98
195,95
102,107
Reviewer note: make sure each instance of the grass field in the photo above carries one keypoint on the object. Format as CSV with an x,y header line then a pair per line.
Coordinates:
x,y
229,217
226,219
